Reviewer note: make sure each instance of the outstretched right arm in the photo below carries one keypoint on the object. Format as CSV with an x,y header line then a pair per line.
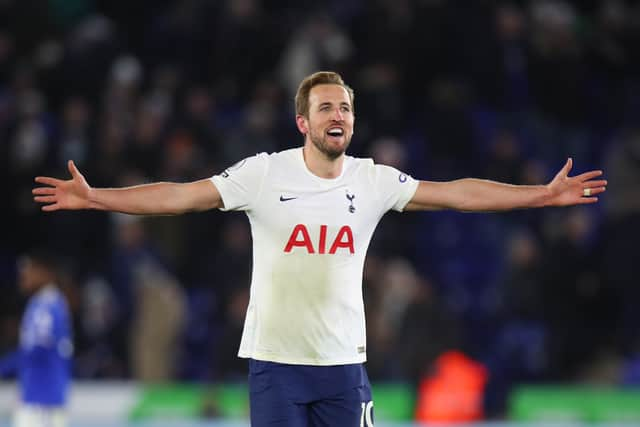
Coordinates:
x,y
161,198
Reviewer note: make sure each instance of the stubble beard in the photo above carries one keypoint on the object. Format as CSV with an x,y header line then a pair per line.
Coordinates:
x,y
332,153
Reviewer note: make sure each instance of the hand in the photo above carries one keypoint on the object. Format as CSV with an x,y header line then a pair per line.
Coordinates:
x,y
59,194
565,190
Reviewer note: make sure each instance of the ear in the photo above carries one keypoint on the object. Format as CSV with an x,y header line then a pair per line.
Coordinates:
x,y
302,123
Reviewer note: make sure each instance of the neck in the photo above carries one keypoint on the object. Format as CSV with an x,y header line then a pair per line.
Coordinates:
x,y
39,287
319,164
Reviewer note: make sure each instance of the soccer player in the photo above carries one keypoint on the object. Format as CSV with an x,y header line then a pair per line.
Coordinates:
x,y
312,211
43,361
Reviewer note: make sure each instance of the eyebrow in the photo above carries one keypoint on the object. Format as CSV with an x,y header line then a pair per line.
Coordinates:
x,y
331,103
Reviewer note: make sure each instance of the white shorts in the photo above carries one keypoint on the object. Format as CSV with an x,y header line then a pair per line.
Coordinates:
x,y
40,416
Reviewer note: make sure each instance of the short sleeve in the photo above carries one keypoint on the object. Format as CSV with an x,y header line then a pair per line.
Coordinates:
x,y
240,184
395,188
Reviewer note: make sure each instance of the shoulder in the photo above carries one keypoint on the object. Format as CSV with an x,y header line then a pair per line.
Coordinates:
x,y
359,165
256,159
282,162
50,298
375,171
369,165
263,158
247,167
361,162
289,156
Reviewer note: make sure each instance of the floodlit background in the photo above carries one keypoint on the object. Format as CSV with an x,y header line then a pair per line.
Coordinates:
x,y
537,310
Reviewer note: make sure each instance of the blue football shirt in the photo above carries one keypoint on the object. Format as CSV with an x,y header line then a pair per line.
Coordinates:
x,y
46,349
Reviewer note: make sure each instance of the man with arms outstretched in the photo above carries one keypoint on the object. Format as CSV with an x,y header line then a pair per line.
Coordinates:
x,y
312,210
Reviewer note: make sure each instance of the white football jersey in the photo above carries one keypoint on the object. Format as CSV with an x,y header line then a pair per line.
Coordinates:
x,y
310,237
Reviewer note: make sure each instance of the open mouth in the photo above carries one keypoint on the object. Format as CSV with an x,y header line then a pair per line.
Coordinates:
x,y
335,132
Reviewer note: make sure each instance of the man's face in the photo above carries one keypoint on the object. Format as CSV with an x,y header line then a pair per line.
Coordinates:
x,y
31,275
330,122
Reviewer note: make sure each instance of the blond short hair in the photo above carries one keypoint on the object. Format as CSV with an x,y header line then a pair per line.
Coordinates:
x,y
315,79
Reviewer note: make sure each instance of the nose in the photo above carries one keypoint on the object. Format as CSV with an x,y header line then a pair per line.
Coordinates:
x,y
337,115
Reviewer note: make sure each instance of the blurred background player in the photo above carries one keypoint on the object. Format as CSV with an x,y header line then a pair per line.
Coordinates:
x,y
43,361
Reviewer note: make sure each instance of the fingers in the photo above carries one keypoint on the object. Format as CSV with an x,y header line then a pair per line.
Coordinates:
x,y
48,181
73,169
45,199
567,167
43,191
595,184
51,208
588,175
595,190
46,194
587,200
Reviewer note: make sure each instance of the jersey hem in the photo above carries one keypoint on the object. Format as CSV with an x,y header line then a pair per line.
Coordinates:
x,y
267,357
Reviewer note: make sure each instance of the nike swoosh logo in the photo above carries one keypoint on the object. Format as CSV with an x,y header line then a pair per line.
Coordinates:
x,y
286,199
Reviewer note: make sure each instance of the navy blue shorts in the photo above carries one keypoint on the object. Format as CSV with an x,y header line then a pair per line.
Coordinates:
x,y
282,395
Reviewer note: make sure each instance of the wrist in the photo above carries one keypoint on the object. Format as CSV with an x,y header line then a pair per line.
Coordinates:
x,y
547,196
92,199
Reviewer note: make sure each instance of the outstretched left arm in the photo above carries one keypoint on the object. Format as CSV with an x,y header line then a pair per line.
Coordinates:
x,y
478,195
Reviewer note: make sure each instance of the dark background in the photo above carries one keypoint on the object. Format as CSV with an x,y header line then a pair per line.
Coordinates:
x,y
143,90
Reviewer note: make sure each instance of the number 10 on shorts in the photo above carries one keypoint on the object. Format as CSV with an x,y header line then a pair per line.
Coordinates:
x,y
366,419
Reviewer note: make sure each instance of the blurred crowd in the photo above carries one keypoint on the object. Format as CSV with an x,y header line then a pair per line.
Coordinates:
x,y
173,90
